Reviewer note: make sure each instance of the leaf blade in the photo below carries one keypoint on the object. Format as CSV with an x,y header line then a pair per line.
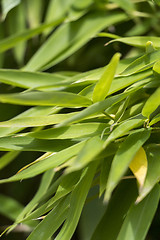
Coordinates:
x,y
103,85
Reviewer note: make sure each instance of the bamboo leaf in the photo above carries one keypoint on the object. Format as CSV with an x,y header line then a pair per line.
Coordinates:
x,y
139,217
7,158
105,168
123,158
26,143
138,41
158,2
69,38
151,104
12,41
19,18
156,68
78,198
87,154
31,80
123,129
155,120
8,5
127,5
9,207
51,222
36,121
83,130
103,85
34,10
63,99
65,185
149,47
44,185
118,206
95,108
52,161
32,112
142,63
121,82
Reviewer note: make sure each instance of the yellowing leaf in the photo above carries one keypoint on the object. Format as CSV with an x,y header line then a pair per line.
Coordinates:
x,y
139,166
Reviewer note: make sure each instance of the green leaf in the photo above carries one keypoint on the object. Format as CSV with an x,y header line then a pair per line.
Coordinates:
x,y
123,197
123,157
32,80
142,63
60,190
66,185
63,99
156,68
95,108
139,29
32,112
79,8
121,110
123,129
45,182
157,1
77,201
103,85
149,47
82,130
12,41
18,17
51,222
36,121
155,120
133,111
69,38
26,143
53,161
9,207
90,150
127,5
139,217
105,168
8,5
34,10
151,104
44,185
7,158
41,211
121,82
97,73
139,41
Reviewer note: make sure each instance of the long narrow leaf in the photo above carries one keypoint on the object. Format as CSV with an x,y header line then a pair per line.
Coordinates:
x,y
139,217
69,38
78,198
102,87
63,99
123,157
50,162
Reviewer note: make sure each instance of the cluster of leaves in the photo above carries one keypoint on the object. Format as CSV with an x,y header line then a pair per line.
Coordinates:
x,y
96,128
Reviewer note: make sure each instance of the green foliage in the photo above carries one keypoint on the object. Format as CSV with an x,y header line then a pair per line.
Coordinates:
x,y
83,114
